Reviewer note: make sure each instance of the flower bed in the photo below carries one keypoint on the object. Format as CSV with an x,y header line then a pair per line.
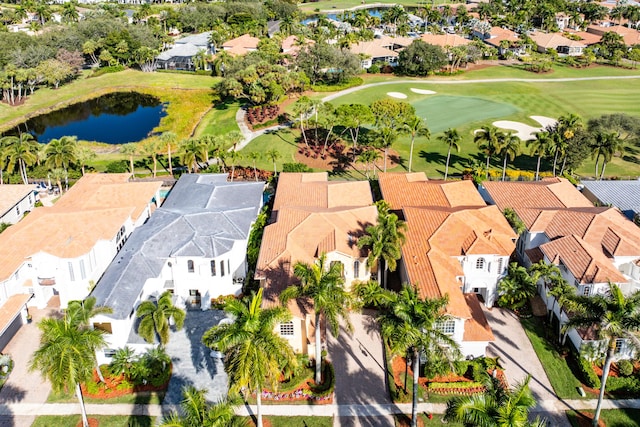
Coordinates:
x,y
307,390
116,386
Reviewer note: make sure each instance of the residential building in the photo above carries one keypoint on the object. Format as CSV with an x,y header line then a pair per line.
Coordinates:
x,y
291,45
630,36
384,50
194,246
456,246
503,40
445,41
625,195
241,45
557,42
182,54
15,200
312,216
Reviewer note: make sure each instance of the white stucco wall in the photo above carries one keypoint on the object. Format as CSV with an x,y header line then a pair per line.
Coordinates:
x,y
16,212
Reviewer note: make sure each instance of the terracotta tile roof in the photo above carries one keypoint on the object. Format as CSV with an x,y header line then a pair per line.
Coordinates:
x,y
535,255
445,40
373,49
414,189
586,263
498,34
586,37
11,194
547,193
476,328
11,308
245,41
631,36
553,40
291,45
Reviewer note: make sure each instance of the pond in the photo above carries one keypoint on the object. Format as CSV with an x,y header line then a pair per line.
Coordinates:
x,y
116,118
334,16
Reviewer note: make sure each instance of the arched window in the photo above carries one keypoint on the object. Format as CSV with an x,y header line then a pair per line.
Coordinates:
x,y
356,269
213,268
190,267
480,264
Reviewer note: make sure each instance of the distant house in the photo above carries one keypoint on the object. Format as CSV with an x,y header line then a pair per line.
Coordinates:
x,y
291,45
382,50
456,246
630,36
312,216
241,45
445,41
556,41
15,200
193,246
625,195
181,55
497,36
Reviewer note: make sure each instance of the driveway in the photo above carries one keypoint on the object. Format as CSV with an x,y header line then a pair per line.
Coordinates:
x,y
23,386
360,373
192,361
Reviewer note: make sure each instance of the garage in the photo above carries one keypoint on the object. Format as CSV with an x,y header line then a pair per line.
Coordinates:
x,y
10,318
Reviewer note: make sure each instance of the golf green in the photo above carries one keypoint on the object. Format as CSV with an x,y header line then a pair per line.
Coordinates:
x,y
444,111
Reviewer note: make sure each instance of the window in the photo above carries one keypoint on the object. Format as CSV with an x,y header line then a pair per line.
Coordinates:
x,y
17,210
83,273
105,327
586,291
447,327
109,352
500,266
72,276
356,269
193,292
286,329
222,268
190,267
620,345
229,266
480,264
213,268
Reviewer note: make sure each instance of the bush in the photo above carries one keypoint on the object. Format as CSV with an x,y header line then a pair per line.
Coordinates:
x,y
295,167
588,376
374,69
456,385
219,303
621,384
107,70
352,82
329,384
625,368
117,166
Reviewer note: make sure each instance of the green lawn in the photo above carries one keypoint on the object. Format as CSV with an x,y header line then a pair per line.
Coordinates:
x,y
219,120
145,398
612,417
105,421
564,383
300,421
282,140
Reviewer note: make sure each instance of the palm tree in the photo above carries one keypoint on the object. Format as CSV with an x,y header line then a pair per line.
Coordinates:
x,y
66,356
386,136
415,126
452,139
60,153
196,412
496,407
234,157
509,149
324,284
302,108
58,174
409,323
255,354
21,151
368,157
192,152
123,361
254,156
273,155
558,147
169,140
516,288
384,240
151,147
540,147
83,155
612,317
154,318
488,140
555,285
130,149
607,144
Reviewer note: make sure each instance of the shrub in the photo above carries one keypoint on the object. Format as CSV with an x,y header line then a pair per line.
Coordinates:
x,y
219,303
623,384
455,385
587,374
117,166
625,368
329,384
107,70
295,167
478,371
462,366
352,82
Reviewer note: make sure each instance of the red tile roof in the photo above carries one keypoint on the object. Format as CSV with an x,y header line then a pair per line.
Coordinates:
x,y
547,193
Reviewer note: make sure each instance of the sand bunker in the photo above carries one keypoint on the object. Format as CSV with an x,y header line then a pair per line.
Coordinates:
x,y
422,91
544,121
523,131
397,95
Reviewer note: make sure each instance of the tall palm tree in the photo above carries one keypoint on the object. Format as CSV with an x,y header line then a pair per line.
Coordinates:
x,y
58,174
196,412
130,149
608,145
415,126
539,147
509,149
384,240
495,407
66,355
192,152
558,147
234,157
254,156
60,153
154,318
611,317
3,159
256,356
451,137
385,137
169,141
324,283
302,108
409,323
83,155
488,140
21,151
151,147
273,155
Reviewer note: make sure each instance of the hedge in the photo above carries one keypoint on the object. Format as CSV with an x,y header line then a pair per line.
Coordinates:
x,y
623,384
352,82
588,376
329,384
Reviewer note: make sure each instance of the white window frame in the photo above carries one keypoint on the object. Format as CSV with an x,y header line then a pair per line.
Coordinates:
x,y
287,329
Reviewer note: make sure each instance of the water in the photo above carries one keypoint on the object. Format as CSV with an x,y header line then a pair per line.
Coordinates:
x,y
116,118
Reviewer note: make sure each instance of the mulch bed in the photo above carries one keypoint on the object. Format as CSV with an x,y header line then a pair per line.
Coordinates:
x,y
344,162
92,422
585,419
403,420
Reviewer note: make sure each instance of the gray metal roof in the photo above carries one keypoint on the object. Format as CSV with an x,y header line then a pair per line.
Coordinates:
x,y
202,217
180,50
625,195
201,40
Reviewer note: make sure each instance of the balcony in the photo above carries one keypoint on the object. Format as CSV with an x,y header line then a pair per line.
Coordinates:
x,y
46,281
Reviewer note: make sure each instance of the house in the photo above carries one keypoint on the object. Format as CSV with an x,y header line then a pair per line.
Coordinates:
x,y
63,250
181,55
591,245
445,41
384,50
625,195
456,246
195,246
312,216
291,45
15,200
585,37
241,45
558,42
630,36
497,37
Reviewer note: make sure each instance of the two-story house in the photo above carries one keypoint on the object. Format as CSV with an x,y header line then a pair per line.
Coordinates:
x,y
15,200
193,246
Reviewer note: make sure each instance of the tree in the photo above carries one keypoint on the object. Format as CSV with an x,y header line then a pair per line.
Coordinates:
x,y
612,317
415,126
384,240
609,144
21,151
130,149
58,175
410,323
255,355
192,152
254,156
369,157
495,407
69,11
54,71
66,355
60,153
301,109
452,138
324,283
234,157
385,137
151,147
169,140
83,155
488,140
540,147
154,318
515,290
352,117
273,155
420,59
196,412
509,149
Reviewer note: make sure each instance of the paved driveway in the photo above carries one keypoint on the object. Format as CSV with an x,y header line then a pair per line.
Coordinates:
x,y
360,374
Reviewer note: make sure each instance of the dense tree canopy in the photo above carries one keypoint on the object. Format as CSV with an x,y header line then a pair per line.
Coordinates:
x,y
421,59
